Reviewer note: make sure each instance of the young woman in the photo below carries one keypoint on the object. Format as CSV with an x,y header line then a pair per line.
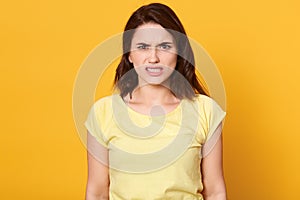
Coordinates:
x,y
160,137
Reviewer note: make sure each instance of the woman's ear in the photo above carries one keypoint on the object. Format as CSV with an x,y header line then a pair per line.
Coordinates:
x,y
129,58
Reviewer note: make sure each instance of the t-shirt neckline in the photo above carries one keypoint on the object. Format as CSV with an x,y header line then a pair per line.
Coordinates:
x,y
178,107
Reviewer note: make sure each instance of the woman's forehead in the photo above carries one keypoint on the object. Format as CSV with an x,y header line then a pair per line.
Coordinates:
x,y
151,33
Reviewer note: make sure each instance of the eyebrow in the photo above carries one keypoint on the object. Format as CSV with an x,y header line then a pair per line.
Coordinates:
x,y
143,43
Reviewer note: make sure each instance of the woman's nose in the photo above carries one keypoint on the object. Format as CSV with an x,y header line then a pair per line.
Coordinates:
x,y
153,57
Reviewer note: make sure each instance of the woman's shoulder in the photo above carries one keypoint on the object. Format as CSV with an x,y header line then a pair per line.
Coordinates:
x,y
104,99
206,102
108,102
102,103
201,98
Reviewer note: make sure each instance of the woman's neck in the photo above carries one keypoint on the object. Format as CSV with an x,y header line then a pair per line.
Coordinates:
x,y
153,95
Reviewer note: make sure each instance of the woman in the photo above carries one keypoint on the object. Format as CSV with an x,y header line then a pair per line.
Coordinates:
x,y
159,138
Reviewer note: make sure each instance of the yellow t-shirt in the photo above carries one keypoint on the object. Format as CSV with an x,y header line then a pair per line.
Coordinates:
x,y
154,157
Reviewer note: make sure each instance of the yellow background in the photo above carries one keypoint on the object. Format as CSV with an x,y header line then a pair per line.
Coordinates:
x,y
255,45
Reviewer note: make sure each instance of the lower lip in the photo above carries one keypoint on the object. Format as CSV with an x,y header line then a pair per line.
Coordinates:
x,y
155,73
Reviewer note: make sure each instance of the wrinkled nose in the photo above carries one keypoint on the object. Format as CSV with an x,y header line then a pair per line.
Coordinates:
x,y
153,57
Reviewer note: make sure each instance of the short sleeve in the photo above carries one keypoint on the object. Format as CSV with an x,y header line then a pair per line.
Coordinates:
x,y
214,117
93,121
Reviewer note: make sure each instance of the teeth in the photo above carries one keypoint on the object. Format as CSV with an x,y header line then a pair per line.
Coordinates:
x,y
154,70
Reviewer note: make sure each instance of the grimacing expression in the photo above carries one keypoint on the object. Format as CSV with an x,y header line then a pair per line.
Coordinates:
x,y
153,53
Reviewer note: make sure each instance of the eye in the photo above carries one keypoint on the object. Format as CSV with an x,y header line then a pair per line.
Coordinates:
x,y
143,46
165,46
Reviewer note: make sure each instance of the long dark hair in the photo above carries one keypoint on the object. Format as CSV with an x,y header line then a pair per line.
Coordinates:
x,y
184,84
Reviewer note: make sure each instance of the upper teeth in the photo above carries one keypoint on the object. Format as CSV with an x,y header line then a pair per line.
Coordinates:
x,y
153,69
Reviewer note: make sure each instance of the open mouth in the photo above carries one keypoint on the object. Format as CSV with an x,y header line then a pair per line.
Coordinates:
x,y
154,70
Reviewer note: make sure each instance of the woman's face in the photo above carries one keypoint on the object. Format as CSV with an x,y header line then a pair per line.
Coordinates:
x,y
153,53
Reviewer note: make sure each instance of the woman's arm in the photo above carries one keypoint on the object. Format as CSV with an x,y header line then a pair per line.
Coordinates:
x,y
98,172
212,172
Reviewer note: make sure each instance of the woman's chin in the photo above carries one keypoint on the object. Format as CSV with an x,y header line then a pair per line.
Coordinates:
x,y
155,81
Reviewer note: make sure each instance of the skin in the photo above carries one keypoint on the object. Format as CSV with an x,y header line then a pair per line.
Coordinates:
x,y
153,47
212,172
98,172
157,51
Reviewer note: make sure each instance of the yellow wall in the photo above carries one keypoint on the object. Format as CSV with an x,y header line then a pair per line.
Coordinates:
x,y
254,43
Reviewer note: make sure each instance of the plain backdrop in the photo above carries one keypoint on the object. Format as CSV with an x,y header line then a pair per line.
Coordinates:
x,y
255,45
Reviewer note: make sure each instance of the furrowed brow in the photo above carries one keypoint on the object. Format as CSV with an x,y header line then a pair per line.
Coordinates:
x,y
142,43
165,43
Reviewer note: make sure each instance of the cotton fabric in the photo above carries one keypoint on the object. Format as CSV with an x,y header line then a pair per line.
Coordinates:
x,y
155,157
